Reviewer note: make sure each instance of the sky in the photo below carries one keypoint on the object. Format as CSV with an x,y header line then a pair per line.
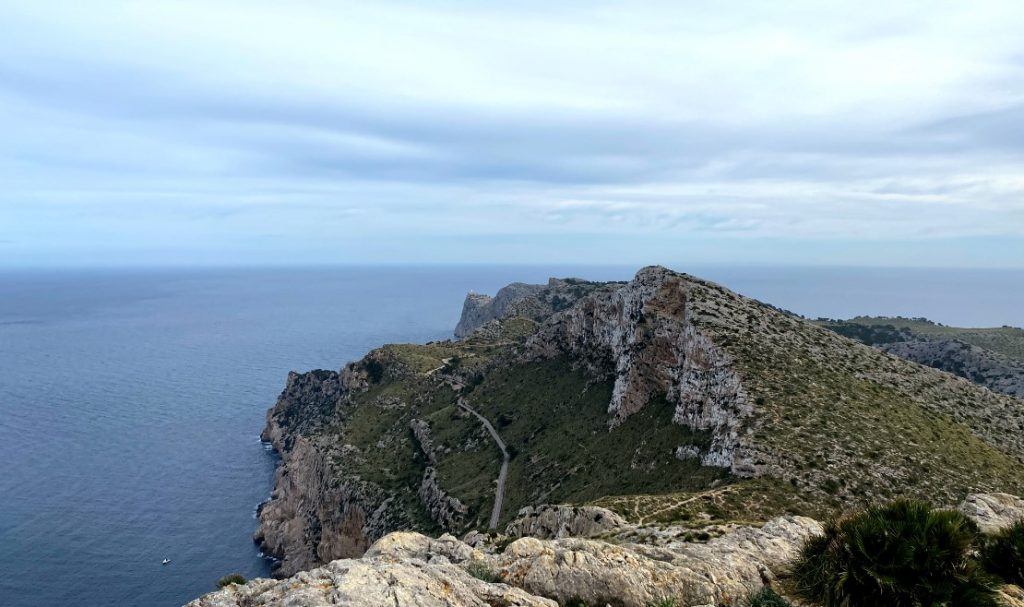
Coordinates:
x,y
221,133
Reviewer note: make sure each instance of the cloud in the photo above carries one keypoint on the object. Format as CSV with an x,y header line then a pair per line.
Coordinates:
x,y
230,121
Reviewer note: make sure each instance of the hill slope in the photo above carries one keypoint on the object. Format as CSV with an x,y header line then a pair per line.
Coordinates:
x,y
667,398
992,357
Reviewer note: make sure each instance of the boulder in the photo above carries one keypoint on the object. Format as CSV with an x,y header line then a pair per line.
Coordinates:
x,y
993,511
374,582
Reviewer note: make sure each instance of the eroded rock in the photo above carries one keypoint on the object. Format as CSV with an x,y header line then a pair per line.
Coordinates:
x,y
993,511
564,520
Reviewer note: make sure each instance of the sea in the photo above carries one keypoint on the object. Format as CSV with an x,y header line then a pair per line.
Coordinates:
x,y
131,400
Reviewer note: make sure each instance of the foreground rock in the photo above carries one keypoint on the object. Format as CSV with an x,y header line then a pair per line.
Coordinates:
x,y
993,511
374,583
406,568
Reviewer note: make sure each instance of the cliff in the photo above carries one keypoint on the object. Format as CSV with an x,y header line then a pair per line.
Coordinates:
x,y
667,399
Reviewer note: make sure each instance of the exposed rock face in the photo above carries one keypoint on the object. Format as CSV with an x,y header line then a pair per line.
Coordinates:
x,y
664,364
643,334
555,521
421,430
595,572
993,511
478,309
443,508
375,582
411,569
316,514
995,372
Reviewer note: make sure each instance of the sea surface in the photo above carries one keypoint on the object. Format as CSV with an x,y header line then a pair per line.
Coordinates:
x,y
131,400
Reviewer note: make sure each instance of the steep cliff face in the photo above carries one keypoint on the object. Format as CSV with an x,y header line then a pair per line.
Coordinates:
x,y
666,398
643,334
479,310
317,512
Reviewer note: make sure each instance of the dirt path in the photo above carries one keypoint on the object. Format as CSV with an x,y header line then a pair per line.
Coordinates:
x,y
499,493
679,503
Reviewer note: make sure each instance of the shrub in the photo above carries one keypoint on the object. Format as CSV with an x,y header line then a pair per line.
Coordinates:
x,y
901,555
767,597
1003,554
374,370
481,571
233,578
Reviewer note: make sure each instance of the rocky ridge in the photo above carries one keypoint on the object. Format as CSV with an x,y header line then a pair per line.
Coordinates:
x,y
995,363
667,399
411,569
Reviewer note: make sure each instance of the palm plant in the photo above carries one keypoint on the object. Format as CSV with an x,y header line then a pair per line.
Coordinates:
x,y
904,554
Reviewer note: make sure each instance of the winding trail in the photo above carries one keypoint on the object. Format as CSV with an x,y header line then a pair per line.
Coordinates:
x,y
499,493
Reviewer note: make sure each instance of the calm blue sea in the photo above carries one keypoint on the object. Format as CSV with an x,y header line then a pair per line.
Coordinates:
x,y
131,401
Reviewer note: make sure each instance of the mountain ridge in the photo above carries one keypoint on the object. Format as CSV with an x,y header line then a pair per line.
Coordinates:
x,y
650,396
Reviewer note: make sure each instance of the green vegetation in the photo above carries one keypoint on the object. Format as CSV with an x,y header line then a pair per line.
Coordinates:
x,y
904,554
855,426
767,597
836,424
233,578
1008,341
1003,554
743,502
556,420
481,571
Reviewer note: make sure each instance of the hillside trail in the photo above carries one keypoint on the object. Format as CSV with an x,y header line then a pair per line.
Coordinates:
x,y
499,492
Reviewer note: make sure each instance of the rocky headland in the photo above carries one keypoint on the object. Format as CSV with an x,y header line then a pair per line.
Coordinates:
x,y
692,437
568,560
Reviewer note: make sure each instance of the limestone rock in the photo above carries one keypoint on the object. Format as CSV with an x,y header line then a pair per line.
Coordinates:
x,y
408,568
643,335
443,508
374,582
993,511
555,521
478,310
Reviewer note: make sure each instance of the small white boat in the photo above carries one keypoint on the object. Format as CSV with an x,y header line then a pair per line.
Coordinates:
x,y
165,561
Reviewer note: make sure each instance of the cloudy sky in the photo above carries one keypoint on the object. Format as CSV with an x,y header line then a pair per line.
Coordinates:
x,y
219,132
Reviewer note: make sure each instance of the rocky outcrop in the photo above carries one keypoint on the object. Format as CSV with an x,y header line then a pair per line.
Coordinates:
x,y
443,508
643,335
478,310
317,512
995,372
593,572
411,569
421,431
375,582
564,520
993,511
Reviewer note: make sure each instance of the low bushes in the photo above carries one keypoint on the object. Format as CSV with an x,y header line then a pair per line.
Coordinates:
x,y
767,598
481,571
233,578
1003,554
904,554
